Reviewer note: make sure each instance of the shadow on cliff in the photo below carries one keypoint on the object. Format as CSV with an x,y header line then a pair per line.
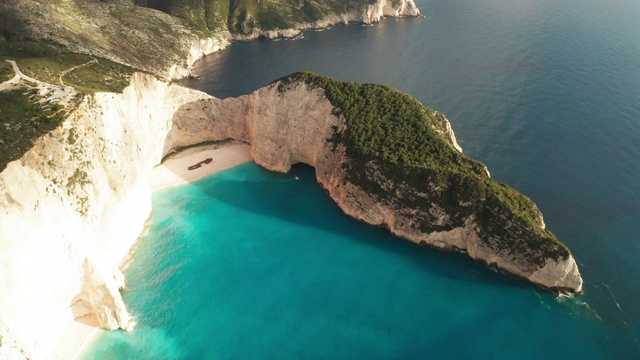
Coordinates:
x,y
297,198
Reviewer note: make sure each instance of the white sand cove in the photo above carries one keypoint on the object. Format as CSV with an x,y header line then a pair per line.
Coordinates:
x,y
175,169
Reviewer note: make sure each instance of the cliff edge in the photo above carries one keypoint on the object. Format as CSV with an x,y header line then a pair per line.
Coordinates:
x,y
71,208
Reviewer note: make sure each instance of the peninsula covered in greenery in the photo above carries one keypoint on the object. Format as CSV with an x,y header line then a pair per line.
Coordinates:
x,y
406,142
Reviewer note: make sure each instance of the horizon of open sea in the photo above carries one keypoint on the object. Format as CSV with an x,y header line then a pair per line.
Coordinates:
x,y
249,264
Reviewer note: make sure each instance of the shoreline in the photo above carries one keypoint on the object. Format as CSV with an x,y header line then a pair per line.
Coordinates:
x,y
77,337
173,171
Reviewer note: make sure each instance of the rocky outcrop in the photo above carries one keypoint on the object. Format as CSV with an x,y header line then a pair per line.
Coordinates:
x,y
296,125
72,207
198,48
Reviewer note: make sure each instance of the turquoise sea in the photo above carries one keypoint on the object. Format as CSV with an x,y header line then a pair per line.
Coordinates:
x,y
251,264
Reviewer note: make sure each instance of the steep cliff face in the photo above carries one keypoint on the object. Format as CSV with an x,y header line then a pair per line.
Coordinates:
x,y
197,49
72,207
289,123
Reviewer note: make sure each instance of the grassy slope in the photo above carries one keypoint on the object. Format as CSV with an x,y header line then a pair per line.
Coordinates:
x,y
105,76
6,71
392,134
22,121
24,117
137,36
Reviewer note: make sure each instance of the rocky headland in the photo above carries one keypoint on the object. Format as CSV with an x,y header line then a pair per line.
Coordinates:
x,y
389,161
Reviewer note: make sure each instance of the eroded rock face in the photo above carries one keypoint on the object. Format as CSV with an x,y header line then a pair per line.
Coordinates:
x,y
296,125
72,207
562,275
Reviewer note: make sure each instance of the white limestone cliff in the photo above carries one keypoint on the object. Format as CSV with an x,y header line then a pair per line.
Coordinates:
x,y
197,49
382,8
70,210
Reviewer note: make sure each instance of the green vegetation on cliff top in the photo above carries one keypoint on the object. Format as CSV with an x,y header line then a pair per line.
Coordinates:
x,y
22,121
6,71
242,16
390,135
25,116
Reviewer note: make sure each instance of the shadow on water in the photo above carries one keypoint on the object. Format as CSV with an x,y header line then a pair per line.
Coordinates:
x,y
287,208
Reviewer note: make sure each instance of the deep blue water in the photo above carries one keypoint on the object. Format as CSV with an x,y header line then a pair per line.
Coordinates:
x,y
249,264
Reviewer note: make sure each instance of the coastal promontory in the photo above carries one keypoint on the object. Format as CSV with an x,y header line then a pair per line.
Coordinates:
x,y
389,161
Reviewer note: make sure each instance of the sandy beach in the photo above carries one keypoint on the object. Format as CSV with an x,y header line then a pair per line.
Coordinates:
x,y
77,336
174,169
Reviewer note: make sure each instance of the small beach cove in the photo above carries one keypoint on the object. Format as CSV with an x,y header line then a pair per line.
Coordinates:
x,y
174,169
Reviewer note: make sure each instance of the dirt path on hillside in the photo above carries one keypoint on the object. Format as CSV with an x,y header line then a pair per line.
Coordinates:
x,y
62,74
